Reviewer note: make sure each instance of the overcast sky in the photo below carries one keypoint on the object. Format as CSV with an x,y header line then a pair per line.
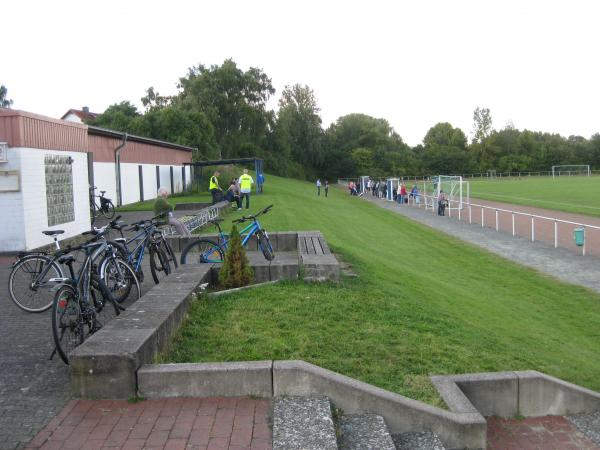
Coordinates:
x,y
534,63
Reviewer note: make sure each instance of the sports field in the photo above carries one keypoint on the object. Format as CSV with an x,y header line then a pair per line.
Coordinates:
x,y
423,304
577,194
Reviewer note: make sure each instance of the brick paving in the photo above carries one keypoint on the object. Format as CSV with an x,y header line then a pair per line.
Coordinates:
x,y
536,433
173,423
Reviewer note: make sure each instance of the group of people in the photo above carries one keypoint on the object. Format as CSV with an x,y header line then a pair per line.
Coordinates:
x,y
325,185
239,188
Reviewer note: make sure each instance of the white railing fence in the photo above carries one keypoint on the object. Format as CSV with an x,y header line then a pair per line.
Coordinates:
x,y
532,226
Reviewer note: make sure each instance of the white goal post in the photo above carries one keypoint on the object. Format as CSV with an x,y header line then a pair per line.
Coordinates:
x,y
456,190
577,169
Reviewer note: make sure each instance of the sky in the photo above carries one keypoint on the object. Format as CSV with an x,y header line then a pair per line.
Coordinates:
x,y
534,64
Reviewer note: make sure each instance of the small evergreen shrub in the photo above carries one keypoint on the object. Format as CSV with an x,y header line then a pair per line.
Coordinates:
x,y
236,270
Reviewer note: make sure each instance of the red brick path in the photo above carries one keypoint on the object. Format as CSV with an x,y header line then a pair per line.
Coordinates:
x,y
175,423
536,433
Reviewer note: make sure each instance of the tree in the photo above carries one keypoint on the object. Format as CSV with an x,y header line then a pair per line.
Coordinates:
x,y
234,102
119,117
298,126
153,100
4,102
235,271
445,150
482,124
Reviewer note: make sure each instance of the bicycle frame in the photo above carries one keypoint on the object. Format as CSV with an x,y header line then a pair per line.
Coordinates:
x,y
246,233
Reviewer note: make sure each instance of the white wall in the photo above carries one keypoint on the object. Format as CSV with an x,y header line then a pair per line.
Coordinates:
x,y
28,210
105,179
12,237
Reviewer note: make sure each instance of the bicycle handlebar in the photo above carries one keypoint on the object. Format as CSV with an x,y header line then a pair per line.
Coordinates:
x,y
253,216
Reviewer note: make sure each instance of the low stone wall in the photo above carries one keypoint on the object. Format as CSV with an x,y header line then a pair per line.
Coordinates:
x,y
470,397
105,365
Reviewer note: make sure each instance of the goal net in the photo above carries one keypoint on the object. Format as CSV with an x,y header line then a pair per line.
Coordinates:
x,y
456,191
581,169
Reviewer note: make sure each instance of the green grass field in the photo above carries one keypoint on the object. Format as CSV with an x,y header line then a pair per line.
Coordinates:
x,y
424,304
570,194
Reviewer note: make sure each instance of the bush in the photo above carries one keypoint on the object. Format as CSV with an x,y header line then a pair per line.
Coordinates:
x,y
236,270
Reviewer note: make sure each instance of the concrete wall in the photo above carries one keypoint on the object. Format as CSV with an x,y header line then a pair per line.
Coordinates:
x,y
27,209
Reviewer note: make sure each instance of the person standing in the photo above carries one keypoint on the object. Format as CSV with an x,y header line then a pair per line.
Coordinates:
x,y
215,189
260,180
318,186
326,186
441,204
246,183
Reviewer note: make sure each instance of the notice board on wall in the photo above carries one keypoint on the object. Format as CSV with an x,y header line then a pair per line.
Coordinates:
x,y
59,189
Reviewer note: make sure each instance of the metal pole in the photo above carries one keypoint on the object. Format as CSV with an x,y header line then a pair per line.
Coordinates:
x,y
496,220
482,217
513,223
583,248
532,230
555,234
470,219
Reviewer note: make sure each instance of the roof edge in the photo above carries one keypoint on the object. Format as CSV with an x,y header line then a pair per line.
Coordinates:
x,y
131,137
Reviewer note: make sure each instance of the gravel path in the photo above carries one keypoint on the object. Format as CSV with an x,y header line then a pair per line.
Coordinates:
x,y
560,263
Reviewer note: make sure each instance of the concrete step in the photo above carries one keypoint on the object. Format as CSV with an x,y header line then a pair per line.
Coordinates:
x,y
417,440
303,423
364,432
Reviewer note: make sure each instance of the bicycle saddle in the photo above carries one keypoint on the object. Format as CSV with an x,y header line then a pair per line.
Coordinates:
x,y
53,232
66,259
103,192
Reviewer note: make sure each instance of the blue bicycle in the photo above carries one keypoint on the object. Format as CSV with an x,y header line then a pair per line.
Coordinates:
x,y
205,250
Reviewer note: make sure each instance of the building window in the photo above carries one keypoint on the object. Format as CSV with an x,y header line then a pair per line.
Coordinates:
x,y
59,189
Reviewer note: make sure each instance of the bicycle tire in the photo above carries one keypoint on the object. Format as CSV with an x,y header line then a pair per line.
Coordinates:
x,y
107,209
119,278
169,251
202,251
104,302
265,245
67,322
159,263
31,267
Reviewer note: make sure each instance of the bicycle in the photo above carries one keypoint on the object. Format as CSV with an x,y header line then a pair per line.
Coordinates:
x,y
80,301
147,238
208,251
103,208
29,283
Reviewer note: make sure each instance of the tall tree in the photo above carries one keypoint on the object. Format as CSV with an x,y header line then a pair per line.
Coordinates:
x,y
298,127
4,102
234,102
482,124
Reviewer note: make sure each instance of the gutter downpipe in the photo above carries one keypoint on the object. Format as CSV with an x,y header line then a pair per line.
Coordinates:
x,y
118,168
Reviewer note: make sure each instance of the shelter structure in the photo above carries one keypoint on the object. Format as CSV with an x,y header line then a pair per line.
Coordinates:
x,y
197,168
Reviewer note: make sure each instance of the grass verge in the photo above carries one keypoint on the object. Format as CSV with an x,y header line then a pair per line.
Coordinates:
x,y
424,304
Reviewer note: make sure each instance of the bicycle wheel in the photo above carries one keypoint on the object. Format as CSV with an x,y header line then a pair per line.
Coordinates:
x,y
265,245
119,279
28,283
104,303
202,251
107,209
67,322
169,252
159,263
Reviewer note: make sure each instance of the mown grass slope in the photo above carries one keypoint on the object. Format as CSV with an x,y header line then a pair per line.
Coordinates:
x,y
424,304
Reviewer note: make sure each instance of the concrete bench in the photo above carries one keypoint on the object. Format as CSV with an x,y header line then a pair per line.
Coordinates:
x,y
316,259
105,365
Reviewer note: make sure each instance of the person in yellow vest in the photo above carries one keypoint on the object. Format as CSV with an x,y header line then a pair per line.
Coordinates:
x,y
246,183
214,188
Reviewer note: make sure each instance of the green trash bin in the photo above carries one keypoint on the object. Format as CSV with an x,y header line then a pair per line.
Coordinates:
x,y
579,236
